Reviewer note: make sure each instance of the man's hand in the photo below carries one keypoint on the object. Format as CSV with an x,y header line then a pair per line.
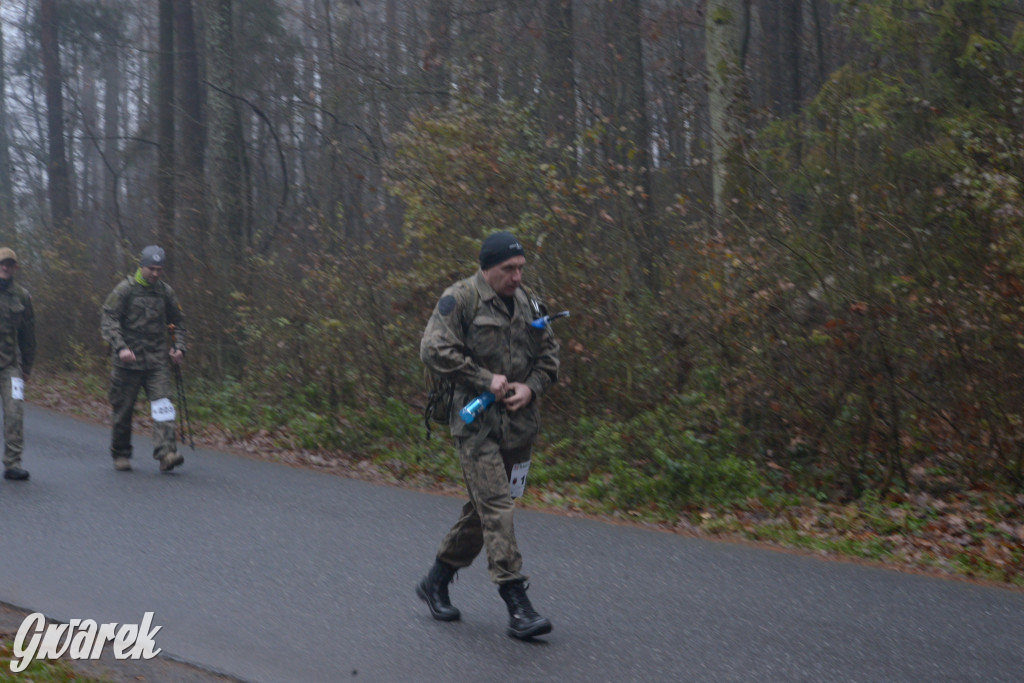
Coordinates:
x,y
499,385
519,397
126,355
177,356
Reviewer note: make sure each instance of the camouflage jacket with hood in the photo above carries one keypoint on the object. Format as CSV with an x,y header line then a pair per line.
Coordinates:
x,y
136,316
17,327
471,337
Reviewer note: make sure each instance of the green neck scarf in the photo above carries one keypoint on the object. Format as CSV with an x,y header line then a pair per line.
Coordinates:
x,y
141,280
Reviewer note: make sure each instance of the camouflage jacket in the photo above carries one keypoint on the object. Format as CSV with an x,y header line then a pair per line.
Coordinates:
x,y
136,316
17,328
471,337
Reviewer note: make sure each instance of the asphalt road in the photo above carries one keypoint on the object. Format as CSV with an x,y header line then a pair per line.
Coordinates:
x,y
271,573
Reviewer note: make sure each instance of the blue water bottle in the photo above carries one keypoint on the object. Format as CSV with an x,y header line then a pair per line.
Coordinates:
x,y
476,406
541,323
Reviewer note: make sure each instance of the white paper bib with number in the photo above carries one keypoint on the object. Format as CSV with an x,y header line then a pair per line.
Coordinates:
x,y
162,410
517,482
17,389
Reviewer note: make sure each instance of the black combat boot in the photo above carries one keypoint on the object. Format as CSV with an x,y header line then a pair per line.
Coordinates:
x,y
524,622
15,474
433,589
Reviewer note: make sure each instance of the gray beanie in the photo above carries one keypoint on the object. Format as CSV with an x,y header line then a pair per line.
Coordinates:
x,y
152,256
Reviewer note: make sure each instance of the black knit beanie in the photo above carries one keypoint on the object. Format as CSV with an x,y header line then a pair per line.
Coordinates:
x,y
498,248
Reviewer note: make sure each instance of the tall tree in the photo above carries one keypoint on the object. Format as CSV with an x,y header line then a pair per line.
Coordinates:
x,y
165,125
6,188
111,73
59,182
725,24
634,116
630,132
437,52
792,60
345,130
792,49
191,197
228,236
226,178
558,101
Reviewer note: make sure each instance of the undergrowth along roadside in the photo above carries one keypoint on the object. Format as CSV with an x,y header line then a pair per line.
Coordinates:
x,y
651,471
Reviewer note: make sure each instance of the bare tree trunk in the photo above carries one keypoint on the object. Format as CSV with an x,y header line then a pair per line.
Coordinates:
x,y
229,234
558,75
350,131
7,217
768,92
437,52
792,52
819,41
93,174
191,199
395,109
226,178
59,183
631,134
724,25
110,199
165,127
792,28
343,179
634,116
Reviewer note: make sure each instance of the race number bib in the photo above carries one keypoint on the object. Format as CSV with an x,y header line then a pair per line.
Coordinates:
x,y
162,410
517,482
17,389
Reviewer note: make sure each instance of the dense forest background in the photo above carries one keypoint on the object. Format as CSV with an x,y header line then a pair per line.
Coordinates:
x,y
789,231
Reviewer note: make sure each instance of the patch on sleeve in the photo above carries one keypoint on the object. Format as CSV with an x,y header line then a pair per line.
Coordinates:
x,y
446,305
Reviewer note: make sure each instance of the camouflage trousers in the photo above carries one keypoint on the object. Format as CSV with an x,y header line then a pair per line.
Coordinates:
x,y
486,520
14,418
124,389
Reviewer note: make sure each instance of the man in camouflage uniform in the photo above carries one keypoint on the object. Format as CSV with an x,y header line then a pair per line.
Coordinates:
x,y
479,336
135,323
17,353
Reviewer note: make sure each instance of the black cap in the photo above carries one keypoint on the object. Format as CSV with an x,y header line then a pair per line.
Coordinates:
x,y
498,248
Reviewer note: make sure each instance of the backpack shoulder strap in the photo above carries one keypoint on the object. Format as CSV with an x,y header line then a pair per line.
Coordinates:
x,y
469,313
537,307
128,284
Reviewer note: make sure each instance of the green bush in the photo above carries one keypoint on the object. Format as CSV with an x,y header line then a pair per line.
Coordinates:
x,y
667,458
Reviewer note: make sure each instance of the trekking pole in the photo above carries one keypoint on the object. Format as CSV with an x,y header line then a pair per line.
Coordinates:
x,y
184,421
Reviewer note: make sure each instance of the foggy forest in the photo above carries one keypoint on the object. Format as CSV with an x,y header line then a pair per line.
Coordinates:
x,y
789,232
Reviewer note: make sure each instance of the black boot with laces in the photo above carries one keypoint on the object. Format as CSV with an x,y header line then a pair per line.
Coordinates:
x,y
433,590
524,622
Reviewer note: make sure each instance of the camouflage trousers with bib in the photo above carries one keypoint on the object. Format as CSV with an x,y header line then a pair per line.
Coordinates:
x,y
486,520
124,390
